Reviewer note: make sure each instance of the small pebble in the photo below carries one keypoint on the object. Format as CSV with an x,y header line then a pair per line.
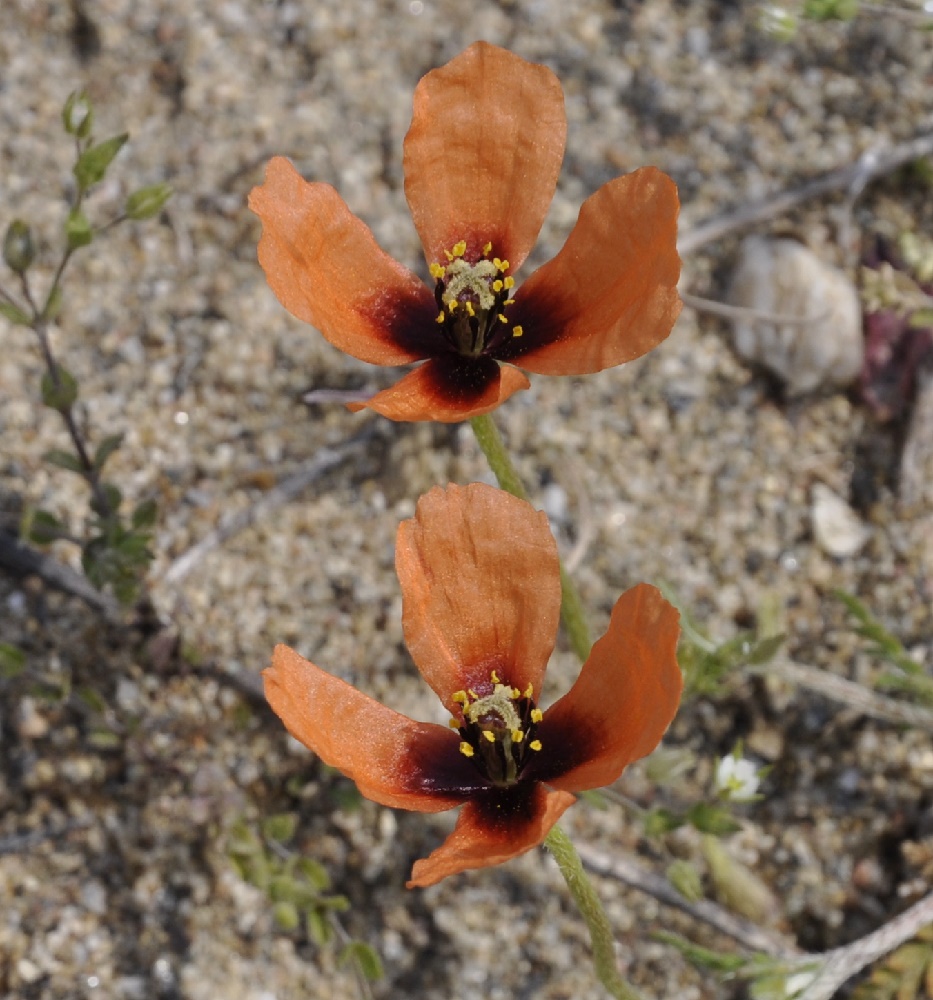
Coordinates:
x,y
782,277
836,527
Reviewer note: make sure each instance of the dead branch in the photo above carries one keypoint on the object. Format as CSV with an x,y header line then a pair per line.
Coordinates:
x,y
292,486
847,692
21,560
851,179
841,964
626,869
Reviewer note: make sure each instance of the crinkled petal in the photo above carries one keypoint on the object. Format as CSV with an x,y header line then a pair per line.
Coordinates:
x,y
326,268
492,829
623,701
447,389
483,153
480,584
393,760
610,295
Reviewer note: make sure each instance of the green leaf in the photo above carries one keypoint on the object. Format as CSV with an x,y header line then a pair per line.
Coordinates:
x,y
280,827
19,251
105,449
44,527
14,314
64,460
366,958
286,916
93,163
108,503
94,700
686,880
147,202
712,819
144,516
78,231
53,305
338,904
317,926
764,650
703,957
314,872
12,661
78,114
242,841
59,393
661,821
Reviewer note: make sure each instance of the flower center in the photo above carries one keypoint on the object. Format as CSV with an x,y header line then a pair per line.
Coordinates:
x,y
472,299
498,730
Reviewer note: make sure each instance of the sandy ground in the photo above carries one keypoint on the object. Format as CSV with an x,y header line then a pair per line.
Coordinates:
x,y
684,467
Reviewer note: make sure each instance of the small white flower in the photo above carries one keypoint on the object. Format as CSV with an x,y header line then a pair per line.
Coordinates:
x,y
736,778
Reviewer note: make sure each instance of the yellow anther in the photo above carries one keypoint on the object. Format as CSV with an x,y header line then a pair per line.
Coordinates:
x,y
494,677
509,302
469,307
516,694
440,317
535,744
502,318
453,723
437,270
530,690
497,285
488,736
466,749
487,248
448,255
459,249
500,265
517,736
473,694
536,715
509,282
517,331
460,697
452,305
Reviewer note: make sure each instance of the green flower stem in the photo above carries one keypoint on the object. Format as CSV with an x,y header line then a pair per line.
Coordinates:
x,y
571,607
584,895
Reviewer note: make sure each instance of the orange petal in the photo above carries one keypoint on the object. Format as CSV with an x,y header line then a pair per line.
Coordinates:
x,y
448,389
623,701
610,295
491,831
480,584
483,153
393,760
326,268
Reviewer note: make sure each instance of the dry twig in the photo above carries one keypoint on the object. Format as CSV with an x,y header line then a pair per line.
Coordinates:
x,y
852,179
856,696
841,964
323,462
625,868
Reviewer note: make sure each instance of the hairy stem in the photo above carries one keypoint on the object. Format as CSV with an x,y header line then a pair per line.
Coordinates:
x,y
571,607
584,895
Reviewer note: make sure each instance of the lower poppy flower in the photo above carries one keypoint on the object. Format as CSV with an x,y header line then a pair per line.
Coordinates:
x,y
481,595
481,163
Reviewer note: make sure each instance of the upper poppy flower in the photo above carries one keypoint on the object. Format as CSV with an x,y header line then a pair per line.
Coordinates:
x,y
481,163
481,594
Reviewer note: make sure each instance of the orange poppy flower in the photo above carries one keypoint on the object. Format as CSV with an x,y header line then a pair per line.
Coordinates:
x,y
481,596
481,163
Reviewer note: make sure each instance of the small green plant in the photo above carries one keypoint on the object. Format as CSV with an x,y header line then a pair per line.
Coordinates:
x,y
907,675
115,551
299,890
906,974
